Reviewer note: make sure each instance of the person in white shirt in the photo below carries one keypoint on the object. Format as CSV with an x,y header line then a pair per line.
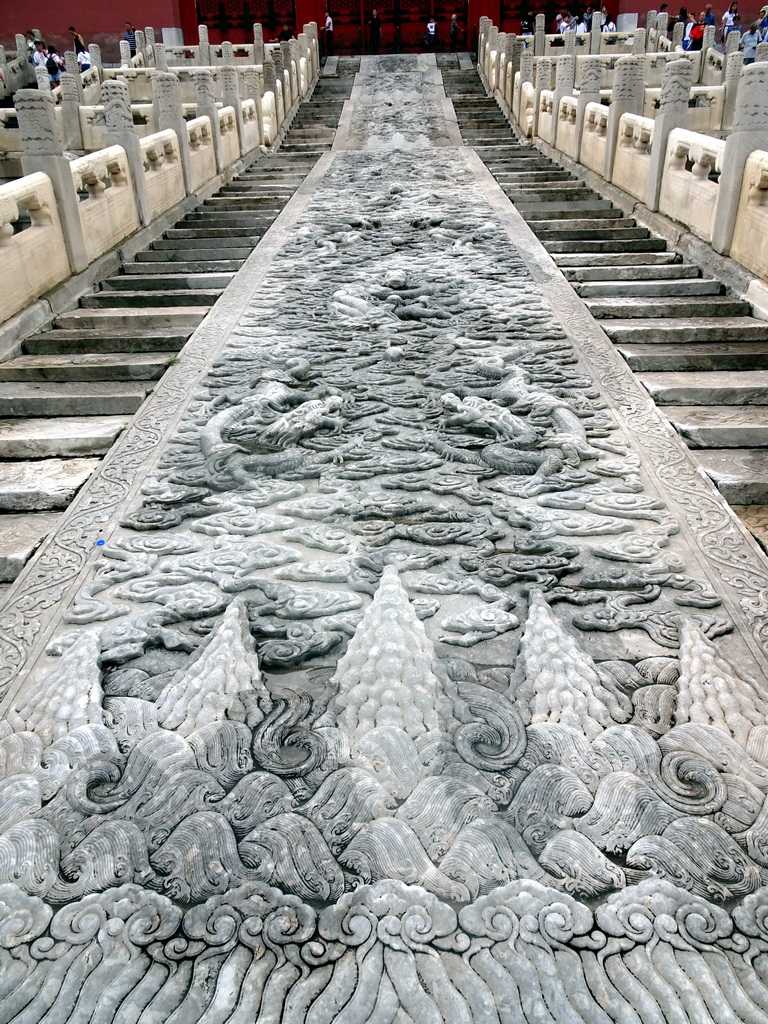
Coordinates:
x,y
328,29
40,56
431,37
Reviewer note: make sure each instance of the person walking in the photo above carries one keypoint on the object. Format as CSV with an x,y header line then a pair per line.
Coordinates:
x,y
328,29
374,32
431,37
78,43
453,33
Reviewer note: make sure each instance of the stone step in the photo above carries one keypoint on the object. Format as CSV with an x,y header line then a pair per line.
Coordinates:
x,y
586,214
721,426
596,245
624,272
237,204
739,355
174,320
20,536
532,195
66,436
183,254
657,330
43,485
588,261
533,177
177,244
224,236
201,266
256,224
84,342
86,367
716,387
497,166
705,306
740,474
167,282
78,398
117,300
583,231
666,289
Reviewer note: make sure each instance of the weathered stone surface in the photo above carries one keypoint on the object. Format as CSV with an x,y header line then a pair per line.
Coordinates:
x,y
19,537
65,435
718,387
44,485
405,666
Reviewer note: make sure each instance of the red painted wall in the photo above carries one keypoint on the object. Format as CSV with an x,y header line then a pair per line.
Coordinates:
x,y
96,22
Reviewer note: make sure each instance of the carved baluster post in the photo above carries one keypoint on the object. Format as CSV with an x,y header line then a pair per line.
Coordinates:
x,y
22,51
565,75
280,97
749,132
119,120
673,113
650,26
311,29
589,92
662,27
732,41
638,41
36,113
204,46
761,53
227,53
732,78
161,57
43,80
570,40
170,114
94,52
252,88
501,60
149,33
595,33
125,54
3,63
205,101
258,44
626,98
70,112
540,38
543,81
526,66
230,94
290,95
305,50
73,68
293,57
678,34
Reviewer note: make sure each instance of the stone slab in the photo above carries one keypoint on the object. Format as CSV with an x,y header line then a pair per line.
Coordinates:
x,y
87,367
625,271
707,306
89,398
68,436
662,289
662,330
721,426
20,535
718,387
741,475
173,320
734,355
45,485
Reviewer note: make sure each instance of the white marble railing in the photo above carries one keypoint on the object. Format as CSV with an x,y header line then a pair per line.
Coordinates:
x,y
51,228
656,150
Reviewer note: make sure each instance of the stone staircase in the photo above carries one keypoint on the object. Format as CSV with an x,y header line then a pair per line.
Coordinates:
x,y
698,351
76,385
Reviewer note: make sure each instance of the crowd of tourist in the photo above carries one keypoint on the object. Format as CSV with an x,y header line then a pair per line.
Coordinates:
x,y
41,55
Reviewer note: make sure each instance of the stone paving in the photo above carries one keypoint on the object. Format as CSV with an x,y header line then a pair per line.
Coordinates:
x,y
416,675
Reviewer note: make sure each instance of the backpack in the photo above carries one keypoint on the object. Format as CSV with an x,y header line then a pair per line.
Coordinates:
x,y
697,32
52,67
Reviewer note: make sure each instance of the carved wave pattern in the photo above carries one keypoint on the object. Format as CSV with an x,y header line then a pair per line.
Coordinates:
x,y
343,726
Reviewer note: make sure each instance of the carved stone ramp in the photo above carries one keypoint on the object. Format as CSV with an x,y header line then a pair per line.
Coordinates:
x,y
697,350
398,664
76,385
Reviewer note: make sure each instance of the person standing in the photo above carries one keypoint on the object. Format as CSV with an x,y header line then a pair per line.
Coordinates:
x,y
40,54
374,31
453,33
78,43
431,37
749,42
728,19
130,37
54,65
328,29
